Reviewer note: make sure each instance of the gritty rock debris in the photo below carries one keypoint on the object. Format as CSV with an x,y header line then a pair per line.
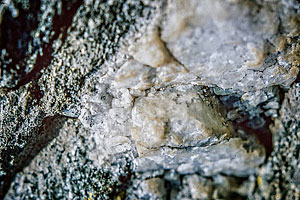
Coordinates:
x,y
142,99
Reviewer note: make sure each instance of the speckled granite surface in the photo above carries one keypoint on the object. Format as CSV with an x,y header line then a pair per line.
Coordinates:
x,y
141,99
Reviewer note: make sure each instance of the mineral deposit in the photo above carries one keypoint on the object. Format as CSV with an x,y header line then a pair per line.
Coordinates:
x,y
149,99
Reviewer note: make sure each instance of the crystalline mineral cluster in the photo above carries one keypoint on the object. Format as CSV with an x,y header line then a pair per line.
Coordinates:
x,y
150,99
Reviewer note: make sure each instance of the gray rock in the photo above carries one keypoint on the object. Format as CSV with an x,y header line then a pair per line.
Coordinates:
x,y
149,100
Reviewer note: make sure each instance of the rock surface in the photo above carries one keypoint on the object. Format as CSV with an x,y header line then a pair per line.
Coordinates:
x,y
139,99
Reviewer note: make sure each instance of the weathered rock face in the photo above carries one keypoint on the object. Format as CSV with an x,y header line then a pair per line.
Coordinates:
x,y
150,100
51,86
286,152
233,45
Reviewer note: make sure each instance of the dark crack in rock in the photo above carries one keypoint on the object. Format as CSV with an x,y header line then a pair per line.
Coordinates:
x,y
148,99
54,67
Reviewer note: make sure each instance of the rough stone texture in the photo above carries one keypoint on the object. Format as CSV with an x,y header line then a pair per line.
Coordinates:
x,y
61,64
141,99
280,176
198,33
64,171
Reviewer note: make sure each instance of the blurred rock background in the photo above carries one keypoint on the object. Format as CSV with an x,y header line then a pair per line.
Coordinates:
x,y
144,99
